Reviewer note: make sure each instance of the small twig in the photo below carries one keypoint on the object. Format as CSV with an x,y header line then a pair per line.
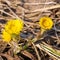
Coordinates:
x,y
13,12
36,51
44,9
40,3
8,14
7,1
10,9
26,53
49,50
7,56
1,58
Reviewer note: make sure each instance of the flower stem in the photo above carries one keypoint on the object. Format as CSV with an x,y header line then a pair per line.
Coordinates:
x,y
42,31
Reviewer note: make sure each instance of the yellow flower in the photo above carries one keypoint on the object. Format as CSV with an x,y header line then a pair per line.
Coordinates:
x,y
6,37
14,26
46,23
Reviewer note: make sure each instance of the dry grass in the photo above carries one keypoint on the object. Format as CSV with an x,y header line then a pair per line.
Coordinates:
x,y
31,11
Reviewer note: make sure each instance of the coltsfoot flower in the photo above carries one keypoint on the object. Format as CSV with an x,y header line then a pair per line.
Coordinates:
x,y
14,26
6,36
46,23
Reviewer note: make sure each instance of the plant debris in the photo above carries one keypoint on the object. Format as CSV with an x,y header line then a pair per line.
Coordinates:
x,y
32,45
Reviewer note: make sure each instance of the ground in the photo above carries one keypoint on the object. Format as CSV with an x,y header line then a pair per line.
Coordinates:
x,y
30,11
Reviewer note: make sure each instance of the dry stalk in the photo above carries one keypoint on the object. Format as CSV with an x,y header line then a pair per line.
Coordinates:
x,y
45,9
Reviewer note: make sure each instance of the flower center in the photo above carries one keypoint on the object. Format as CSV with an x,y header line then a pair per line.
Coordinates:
x,y
11,26
46,23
